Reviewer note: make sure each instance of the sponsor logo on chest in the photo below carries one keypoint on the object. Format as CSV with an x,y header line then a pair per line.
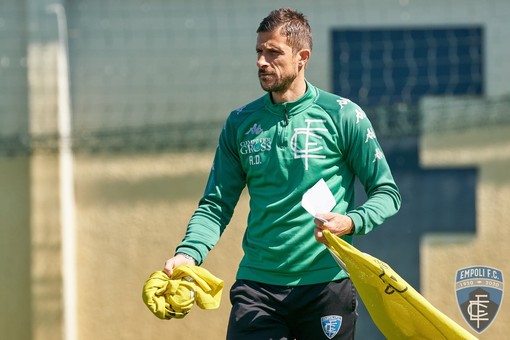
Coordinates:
x,y
253,147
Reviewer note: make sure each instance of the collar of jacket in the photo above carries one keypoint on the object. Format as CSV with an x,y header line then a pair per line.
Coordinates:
x,y
295,107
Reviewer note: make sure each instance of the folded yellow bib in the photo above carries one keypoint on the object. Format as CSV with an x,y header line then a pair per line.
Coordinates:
x,y
172,297
398,310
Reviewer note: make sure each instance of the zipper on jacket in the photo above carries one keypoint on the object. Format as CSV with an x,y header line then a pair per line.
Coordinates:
x,y
283,134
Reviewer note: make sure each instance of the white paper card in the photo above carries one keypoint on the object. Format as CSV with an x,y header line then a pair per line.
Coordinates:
x,y
318,199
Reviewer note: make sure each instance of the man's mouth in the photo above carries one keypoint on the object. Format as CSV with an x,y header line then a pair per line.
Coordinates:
x,y
265,77
264,74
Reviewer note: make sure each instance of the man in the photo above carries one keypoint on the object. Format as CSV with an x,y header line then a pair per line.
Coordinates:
x,y
288,285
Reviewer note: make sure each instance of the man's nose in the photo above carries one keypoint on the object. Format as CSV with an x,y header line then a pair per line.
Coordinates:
x,y
261,61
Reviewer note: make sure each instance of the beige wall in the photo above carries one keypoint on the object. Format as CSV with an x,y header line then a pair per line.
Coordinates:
x,y
46,273
132,211
442,255
15,249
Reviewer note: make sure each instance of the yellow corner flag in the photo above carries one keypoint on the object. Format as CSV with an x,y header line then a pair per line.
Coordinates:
x,y
396,308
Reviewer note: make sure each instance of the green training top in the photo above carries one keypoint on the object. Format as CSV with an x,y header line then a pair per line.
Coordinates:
x,y
279,151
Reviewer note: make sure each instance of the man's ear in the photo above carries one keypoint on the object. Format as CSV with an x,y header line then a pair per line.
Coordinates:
x,y
303,57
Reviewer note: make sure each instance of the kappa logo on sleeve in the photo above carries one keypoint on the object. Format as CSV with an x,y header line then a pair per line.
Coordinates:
x,y
239,110
331,325
479,292
378,155
256,129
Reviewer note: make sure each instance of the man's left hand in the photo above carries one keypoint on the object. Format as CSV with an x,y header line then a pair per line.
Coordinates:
x,y
337,224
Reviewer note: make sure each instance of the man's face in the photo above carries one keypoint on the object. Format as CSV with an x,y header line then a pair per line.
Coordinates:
x,y
278,66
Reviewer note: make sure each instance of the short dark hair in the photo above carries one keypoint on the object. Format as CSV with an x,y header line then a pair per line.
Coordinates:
x,y
294,26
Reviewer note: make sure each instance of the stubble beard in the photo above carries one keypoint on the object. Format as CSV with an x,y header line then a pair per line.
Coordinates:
x,y
274,84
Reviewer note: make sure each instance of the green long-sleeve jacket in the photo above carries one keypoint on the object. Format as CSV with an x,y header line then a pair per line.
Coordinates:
x,y
279,151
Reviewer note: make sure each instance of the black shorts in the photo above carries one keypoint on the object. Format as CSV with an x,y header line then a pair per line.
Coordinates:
x,y
311,312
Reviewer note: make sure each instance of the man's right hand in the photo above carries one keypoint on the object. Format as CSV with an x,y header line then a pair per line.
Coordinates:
x,y
176,261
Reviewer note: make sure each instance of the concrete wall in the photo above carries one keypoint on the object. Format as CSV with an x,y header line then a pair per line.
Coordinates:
x,y
132,213
488,148
132,210
15,249
156,62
